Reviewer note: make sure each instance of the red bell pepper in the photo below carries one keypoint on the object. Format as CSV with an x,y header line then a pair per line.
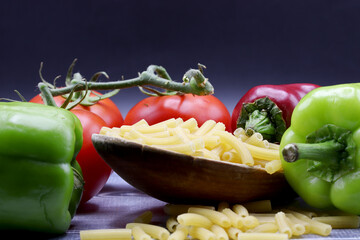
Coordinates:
x,y
268,108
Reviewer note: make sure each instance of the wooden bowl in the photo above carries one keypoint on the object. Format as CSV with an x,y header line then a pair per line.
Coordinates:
x,y
178,178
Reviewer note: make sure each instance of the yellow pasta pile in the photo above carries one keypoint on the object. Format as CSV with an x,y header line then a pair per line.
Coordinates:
x,y
255,220
210,140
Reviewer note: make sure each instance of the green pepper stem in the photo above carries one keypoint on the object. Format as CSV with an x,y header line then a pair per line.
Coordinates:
x,y
324,151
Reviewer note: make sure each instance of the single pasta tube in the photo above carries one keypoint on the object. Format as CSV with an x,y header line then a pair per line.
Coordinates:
x,y
154,231
233,232
105,234
269,227
206,154
264,219
194,219
236,220
340,221
201,233
302,214
139,234
105,130
266,144
250,222
263,153
239,146
273,166
240,210
320,228
282,222
297,228
273,146
171,224
205,128
190,124
179,121
218,127
198,143
124,129
181,132
142,122
176,139
256,139
186,148
240,134
229,156
239,131
211,141
219,232
163,134
180,233
151,129
171,122
214,216
299,221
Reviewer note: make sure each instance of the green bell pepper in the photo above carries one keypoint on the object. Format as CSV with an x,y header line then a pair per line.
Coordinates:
x,y
321,149
40,180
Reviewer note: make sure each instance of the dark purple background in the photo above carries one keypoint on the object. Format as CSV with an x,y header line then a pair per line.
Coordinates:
x,y
242,43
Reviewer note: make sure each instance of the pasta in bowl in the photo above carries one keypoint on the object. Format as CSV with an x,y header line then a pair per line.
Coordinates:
x,y
177,161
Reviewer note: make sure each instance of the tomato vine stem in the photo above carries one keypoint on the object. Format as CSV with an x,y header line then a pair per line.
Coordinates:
x,y
194,82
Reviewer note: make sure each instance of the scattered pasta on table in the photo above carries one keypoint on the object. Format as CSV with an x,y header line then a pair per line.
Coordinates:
x,y
229,222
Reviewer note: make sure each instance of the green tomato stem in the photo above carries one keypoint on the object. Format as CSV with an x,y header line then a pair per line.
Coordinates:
x,y
145,78
46,95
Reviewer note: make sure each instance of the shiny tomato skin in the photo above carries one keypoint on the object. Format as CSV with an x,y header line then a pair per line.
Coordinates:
x,y
108,111
105,108
95,170
157,109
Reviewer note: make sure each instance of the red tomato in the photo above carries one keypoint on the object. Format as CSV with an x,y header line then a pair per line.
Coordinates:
x,y
157,109
105,108
95,170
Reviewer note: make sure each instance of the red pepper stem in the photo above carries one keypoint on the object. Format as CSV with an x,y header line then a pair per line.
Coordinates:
x,y
259,121
262,116
322,152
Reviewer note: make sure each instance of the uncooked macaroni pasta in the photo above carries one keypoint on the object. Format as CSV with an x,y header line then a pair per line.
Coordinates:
x,y
253,220
209,140
222,223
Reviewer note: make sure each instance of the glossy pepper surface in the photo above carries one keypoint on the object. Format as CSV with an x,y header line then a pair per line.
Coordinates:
x,y
268,108
40,180
321,149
